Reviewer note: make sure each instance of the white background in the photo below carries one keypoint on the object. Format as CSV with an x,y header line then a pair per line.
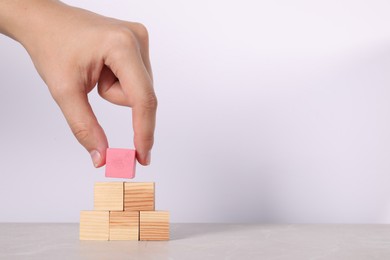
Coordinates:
x,y
269,111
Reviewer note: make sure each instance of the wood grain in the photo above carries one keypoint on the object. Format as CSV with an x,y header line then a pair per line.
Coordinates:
x,y
108,196
94,225
139,196
124,225
154,225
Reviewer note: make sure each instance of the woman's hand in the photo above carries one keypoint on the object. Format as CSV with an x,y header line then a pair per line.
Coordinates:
x,y
73,50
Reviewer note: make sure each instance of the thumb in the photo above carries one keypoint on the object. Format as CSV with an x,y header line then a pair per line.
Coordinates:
x,y
83,123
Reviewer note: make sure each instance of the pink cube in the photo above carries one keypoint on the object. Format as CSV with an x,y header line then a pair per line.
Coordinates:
x,y
120,163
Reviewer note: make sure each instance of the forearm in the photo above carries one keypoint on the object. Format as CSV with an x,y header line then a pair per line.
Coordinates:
x,y
22,19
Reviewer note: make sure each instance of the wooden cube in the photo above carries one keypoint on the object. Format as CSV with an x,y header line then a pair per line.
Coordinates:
x,y
154,225
108,196
139,196
94,225
124,225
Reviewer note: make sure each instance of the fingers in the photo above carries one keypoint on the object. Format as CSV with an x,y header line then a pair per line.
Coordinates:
x,y
110,89
83,123
138,88
144,110
144,122
142,35
136,85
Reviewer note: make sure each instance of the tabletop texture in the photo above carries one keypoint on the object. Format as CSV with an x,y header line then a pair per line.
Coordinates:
x,y
203,241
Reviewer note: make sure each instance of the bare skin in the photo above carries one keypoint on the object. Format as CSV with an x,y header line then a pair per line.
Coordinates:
x,y
74,50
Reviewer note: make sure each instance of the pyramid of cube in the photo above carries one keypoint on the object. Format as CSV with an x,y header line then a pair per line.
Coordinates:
x,y
124,211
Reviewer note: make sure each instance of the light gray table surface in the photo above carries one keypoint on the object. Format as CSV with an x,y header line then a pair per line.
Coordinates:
x,y
203,241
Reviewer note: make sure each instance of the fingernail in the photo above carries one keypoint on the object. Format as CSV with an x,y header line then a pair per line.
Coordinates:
x,y
95,155
148,158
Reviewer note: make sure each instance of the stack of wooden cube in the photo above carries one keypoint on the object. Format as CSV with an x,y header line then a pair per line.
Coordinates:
x,y
124,211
